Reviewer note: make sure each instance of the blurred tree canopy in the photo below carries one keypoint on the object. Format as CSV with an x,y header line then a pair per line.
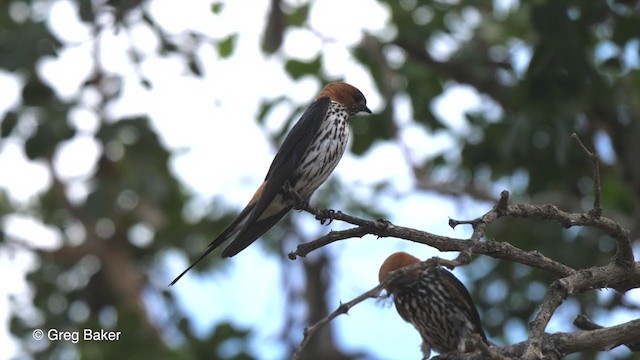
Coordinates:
x,y
547,69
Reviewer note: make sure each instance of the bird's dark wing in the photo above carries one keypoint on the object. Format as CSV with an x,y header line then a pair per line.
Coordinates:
x,y
456,286
259,227
297,141
282,169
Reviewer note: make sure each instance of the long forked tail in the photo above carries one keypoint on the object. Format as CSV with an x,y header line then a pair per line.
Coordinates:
x,y
230,232
209,249
243,237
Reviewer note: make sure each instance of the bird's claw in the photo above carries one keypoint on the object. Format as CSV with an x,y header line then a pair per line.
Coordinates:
x,y
298,202
325,215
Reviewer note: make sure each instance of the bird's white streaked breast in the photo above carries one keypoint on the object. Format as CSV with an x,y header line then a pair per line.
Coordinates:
x,y
325,151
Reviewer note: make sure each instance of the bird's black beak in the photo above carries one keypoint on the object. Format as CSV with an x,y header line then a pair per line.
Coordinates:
x,y
366,109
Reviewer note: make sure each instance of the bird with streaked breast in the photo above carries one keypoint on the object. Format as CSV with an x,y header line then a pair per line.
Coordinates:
x,y
435,302
306,158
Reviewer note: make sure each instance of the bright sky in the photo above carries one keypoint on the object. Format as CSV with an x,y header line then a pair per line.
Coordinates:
x,y
215,115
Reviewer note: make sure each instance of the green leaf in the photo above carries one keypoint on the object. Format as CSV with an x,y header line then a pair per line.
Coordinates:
x,y
8,124
298,16
86,11
368,129
48,135
266,107
226,46
298,69
217,7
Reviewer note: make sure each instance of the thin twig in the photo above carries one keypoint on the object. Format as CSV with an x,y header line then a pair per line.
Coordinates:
x,y
582,322
624,253
595,163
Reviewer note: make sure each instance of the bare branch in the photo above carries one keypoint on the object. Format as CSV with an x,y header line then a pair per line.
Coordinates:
x,y
570,280
621,274
599,339
559,344
505,251
582,322
624,253
608,276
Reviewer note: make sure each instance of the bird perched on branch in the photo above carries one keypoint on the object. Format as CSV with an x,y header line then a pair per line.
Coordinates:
x,y
308,155
435,302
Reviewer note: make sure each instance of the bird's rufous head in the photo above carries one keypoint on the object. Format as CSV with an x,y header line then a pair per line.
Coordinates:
x,y
394,262
346,95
